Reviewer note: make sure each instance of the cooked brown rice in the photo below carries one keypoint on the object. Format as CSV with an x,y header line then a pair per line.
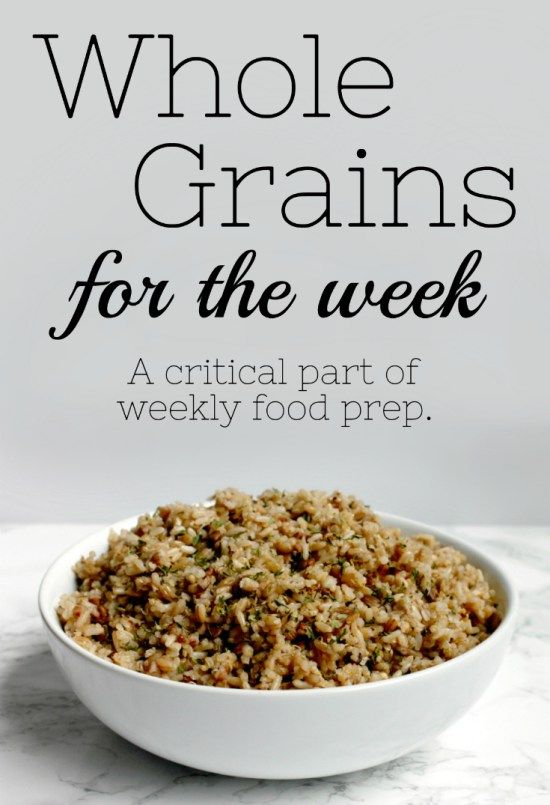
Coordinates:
x,y
284,590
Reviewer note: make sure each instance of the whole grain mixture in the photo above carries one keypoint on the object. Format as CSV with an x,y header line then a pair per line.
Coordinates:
x,y
284,590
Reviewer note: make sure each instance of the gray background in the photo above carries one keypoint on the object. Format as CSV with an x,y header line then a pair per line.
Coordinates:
x,y
470,90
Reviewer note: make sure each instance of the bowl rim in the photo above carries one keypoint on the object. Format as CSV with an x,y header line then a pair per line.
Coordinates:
x,y
473,553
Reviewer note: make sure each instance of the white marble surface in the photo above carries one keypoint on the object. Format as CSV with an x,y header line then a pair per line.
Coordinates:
x,y
52,750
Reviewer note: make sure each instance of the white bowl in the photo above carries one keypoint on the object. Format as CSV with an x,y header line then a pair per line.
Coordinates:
x,y
280,734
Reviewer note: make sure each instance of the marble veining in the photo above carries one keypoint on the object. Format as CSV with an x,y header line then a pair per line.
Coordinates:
x,y
52,750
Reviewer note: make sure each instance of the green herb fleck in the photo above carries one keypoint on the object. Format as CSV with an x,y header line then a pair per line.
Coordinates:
x,y
255,615
221,605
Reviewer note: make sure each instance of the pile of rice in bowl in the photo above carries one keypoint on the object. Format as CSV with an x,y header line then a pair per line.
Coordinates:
x,y
284,590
